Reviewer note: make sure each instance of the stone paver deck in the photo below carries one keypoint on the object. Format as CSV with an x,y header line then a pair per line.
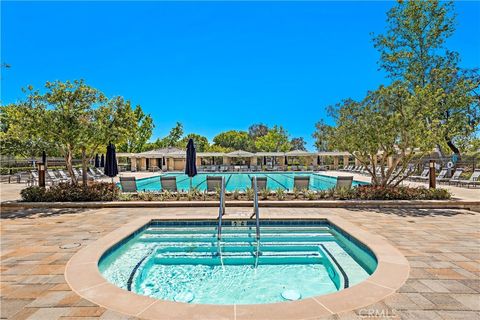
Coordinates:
x,y
442,246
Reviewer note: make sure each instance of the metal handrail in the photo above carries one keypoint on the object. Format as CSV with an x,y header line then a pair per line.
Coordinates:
x,y
221,209
255,207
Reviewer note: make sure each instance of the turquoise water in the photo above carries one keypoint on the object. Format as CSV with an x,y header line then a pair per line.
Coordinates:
x,y
240,181
185,262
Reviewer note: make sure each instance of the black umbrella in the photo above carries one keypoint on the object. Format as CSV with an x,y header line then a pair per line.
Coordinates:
x,y
318,160
264,161
97,161
111,168
102,161
286,160
191,165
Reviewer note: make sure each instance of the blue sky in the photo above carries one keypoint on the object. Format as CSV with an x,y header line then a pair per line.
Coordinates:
x,y
213,66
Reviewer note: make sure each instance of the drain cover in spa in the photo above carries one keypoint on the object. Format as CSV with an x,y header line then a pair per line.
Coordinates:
x,y
291,295
184,297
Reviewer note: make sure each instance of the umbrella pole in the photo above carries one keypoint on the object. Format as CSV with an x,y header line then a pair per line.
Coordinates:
x,y
190,183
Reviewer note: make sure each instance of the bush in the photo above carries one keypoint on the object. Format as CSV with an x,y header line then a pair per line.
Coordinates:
x,y
398,193
65,192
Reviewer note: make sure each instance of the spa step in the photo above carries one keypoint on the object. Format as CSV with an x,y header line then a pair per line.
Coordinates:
x,y
239,260
155,238
226,230
238,248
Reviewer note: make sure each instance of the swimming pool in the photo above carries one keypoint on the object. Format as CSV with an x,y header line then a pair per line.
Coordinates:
x,y
183,261
240,181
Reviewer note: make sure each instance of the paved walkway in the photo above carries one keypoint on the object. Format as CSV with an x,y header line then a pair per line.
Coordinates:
x,y
442,246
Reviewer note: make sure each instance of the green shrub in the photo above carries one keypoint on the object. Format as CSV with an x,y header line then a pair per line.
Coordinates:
x,y
280,193
249,193
296,193
65,192
264,193
399,193
236,194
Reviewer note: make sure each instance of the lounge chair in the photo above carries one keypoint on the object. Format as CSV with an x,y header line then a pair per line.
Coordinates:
x,y
213,182
442,174
344,182
50,175
261,183
168,183
99,172
94,174
129,184
63,175
424,174
473,181
455,177
301,182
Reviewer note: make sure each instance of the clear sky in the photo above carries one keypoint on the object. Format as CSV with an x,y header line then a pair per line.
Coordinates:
x,y
213,66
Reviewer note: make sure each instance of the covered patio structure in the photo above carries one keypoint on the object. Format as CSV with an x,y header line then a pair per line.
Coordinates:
x,y
173,159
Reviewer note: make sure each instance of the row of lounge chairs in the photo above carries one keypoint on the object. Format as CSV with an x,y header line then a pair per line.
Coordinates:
x,y
253,168
129,184
455,179
58,176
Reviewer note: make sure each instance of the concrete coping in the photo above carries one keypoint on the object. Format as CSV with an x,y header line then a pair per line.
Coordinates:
x,y
83,276
420,204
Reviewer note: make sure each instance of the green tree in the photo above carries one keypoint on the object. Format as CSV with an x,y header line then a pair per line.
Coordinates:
x,y
236,140
388,123
276,140
413,50
141,132
77,118
257,130
15,140
321,135
298,144
201,142
216,148
171,140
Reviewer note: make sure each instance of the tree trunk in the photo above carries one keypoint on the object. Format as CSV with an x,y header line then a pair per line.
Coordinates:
x,y
84,167
69,165
452,146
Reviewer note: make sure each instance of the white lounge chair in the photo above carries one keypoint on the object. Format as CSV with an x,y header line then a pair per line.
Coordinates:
x,y
473,181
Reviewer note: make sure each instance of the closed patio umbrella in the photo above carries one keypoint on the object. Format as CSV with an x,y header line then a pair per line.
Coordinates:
x,y
111,168
190,164
97,161
102,161
286,160
318,160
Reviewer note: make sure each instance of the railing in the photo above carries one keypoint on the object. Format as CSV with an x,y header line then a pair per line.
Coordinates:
x,y
255,208
221,209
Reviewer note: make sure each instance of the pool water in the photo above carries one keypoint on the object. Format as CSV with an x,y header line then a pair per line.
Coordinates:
x,y
240,181
185,262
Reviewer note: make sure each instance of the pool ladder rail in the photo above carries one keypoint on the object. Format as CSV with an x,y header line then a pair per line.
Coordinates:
x,y
256,213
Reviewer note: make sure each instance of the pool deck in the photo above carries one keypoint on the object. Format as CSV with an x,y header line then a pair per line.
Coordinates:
x,y
442,247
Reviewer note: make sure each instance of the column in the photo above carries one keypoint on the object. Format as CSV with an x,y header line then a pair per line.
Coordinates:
x,y
133,164
335,162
